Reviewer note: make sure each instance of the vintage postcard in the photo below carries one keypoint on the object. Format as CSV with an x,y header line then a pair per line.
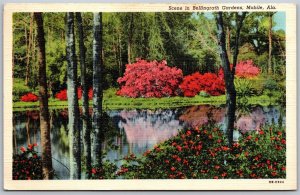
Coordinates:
x,y
150,97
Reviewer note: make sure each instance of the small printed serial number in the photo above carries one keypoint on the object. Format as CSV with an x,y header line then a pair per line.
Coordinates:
x,y
276,181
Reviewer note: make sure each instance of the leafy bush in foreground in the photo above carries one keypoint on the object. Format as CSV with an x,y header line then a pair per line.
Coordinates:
x,y
204,154
27,165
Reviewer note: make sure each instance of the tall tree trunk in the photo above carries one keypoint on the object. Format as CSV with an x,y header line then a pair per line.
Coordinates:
x,y
130,35
270,43
228,43
28,130
28,49
86,127
15,146
120,55
228,73
97,89
43,99
73,107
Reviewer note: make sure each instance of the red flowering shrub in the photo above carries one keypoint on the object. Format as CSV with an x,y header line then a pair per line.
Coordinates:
x,y
29,97
90,94
212,84
27,165
244,69
204,154
62,95
208,82
149,79
191,85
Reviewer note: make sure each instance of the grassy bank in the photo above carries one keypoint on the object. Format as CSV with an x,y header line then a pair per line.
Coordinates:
x,y
112,101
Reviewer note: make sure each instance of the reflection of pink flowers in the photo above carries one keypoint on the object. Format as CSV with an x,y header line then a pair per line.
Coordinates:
x,y
197,116
251,122
147,128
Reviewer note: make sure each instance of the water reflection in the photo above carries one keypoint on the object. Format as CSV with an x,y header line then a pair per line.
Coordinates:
x,y
197,116
132,131
145,128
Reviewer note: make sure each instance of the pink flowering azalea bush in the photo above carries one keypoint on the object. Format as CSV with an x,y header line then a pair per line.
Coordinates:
x,y
208,82
247,69
149,79
244,69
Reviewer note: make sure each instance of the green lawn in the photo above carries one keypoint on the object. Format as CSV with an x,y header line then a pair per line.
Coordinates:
x,y
112,101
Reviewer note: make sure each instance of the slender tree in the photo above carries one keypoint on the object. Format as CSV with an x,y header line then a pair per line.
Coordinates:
x,y
270,43
97,88
130,36
228,71
43,100
73,108
86,127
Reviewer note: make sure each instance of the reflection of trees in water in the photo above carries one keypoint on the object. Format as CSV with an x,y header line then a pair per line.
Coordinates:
x,y
27,124
197,116
25,129
145,127
258,117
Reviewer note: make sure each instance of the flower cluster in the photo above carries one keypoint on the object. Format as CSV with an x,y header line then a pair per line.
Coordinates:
x,y
105,171
243,69
27,165
149,79
204,154
29,97
246,69
63,96
208,82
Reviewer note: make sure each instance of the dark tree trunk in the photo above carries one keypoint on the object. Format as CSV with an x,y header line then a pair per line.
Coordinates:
x,y
97,89
228,73
130,35
86,126
28,130
120,55
43,99
73,108
270,44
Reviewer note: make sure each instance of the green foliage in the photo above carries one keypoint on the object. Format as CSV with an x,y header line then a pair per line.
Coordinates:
x,y
204,94
106,171
183,39
262,61
19,89
244,87
270,84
